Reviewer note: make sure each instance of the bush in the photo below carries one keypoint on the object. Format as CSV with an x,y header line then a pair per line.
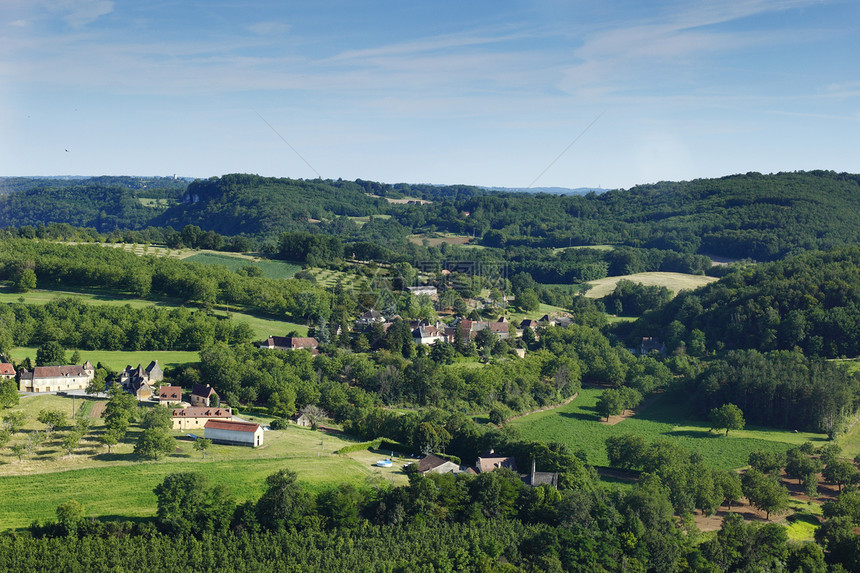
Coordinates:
x,y
279,423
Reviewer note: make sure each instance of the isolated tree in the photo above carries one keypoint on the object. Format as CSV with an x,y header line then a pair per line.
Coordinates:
x,y
52,419
71,440
19,450
110,438
4,438
201,445
727,416
14,421
153,443
610,403
76,357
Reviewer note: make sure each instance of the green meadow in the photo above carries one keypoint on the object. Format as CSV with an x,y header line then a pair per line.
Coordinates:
x,y
116,484
577,425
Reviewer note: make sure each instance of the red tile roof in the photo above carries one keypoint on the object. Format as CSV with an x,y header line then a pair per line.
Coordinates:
x,y
170,393
202,412
6,369
235,426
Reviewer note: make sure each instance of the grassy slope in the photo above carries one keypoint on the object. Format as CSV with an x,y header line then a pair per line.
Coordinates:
x,y
577,425
118,485
271,269
673,281
118,359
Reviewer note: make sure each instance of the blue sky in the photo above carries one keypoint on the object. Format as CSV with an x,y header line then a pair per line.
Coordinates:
x,y
484,93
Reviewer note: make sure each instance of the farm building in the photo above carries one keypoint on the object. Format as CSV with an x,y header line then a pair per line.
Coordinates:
x,y
437,465
303,420
235,433
490,461
291,343
170,395
196,416
56,378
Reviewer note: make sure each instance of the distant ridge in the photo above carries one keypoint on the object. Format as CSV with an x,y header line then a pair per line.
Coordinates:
x,y
550,190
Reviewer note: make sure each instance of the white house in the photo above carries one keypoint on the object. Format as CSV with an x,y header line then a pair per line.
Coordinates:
x,y
56,378
234,433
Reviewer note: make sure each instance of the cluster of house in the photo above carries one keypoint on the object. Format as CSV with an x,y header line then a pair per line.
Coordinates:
x,y
426,333
291,343
203,411
487,462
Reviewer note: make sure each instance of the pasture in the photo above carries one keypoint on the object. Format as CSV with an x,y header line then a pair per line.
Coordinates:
x,y
116,484
675,282
577,425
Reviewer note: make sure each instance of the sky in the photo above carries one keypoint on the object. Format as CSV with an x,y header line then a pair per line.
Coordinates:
x,y
506,93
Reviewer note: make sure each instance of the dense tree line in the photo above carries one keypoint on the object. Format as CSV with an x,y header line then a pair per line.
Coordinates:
x,y
75,324
763,217
780,389
93,266
488,522
808,301
103,203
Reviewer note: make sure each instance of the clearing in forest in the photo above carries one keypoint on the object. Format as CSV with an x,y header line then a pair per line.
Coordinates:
x,y
675,282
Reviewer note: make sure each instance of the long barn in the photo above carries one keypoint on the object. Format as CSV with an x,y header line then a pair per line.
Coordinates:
x,y
234,433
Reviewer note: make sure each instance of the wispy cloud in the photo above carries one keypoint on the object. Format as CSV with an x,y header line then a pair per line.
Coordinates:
x,y
77,13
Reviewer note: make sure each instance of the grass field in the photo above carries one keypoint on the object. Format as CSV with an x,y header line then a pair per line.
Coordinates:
x,y
118,359
117,485
271,269
436,239
362,221
577,425
675,282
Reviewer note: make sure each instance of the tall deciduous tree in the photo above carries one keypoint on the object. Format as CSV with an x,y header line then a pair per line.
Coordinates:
x,y
727,416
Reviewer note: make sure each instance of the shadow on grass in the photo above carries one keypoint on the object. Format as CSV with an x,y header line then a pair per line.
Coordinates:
x,y
115,457
588,414
696,434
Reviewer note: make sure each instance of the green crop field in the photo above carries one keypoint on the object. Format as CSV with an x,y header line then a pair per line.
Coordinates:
x,y
675,282
271,269
117,484
577,425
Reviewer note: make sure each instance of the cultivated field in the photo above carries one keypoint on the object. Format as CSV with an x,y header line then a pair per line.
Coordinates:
x,y
675,282
578,426
116,484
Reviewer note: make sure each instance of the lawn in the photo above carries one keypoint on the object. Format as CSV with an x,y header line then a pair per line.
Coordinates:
x,y
577,425
117,484
675,282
